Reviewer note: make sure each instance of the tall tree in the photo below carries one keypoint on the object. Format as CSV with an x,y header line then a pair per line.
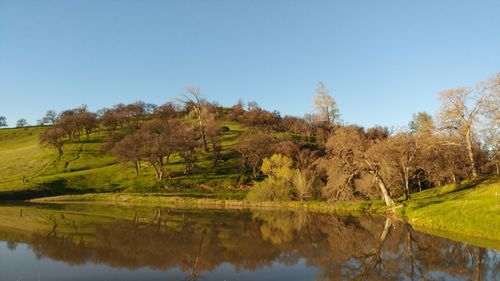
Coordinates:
x,y
461,109
352,152
325,105
194,100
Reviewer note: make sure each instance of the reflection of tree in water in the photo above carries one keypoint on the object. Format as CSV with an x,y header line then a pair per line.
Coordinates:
x,y
348,248
341,247
68,248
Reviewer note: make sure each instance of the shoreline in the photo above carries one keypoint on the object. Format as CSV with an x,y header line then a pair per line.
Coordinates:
x,y
468,233
162,200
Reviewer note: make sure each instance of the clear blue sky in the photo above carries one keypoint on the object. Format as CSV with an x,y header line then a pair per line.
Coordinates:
x,y
382,60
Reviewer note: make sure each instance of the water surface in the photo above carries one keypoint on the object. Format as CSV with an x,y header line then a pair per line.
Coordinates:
x,y
84,242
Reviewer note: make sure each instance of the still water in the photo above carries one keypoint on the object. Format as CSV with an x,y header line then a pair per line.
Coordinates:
x,y
99,242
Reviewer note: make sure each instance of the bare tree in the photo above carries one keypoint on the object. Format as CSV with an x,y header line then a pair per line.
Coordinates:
x,y
160,138
21,123
352,152
108,118
50,117
130,149
398,159
236,111
252,105
325,105
194,100
88,121
214,132
461,109
53,137
187,141
261,119
253,147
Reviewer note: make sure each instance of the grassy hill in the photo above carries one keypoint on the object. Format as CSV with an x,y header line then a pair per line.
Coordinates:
x,y
30,170
471,209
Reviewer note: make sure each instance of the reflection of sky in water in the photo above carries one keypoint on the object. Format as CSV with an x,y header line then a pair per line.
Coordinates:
x,y
21,263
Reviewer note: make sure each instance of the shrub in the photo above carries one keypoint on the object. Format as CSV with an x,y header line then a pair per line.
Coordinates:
x,y
278,184
283,183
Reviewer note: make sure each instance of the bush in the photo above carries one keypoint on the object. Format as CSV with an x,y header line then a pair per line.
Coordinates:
x,y
278,184
303,185
283,183
270,190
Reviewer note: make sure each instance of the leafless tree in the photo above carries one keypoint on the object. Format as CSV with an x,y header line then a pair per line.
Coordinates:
x,y
352,152
130,149
54,137
253,147
50,117
194,100
325,105
187,140
21,123
214,132
462,109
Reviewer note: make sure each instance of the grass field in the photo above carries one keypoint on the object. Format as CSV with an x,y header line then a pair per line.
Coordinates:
x,y
29,170
469,209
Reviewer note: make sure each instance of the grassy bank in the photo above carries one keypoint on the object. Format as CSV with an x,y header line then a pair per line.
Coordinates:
x,y
180,200
470,209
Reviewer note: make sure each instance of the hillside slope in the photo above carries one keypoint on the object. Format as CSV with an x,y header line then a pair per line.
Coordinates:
x,y
29,170
467,210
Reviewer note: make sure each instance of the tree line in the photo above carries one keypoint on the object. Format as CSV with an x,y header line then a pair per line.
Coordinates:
x,y
317,156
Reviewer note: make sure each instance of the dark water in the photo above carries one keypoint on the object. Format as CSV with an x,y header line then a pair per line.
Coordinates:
x,y
80,242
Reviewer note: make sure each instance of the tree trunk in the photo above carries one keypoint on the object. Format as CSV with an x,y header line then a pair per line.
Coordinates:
x,y
60,150
407,190
383,189
136,168
387,227
468,141
202,126
158,172
406,177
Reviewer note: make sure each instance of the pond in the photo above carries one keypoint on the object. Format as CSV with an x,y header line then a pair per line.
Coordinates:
x,y
100,242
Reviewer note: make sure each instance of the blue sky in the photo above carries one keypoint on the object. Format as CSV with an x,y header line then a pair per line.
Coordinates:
x,y
381,60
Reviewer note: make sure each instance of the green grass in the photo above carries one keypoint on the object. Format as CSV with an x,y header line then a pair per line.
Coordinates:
x,y
217,200
471,209
84,169
21,155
